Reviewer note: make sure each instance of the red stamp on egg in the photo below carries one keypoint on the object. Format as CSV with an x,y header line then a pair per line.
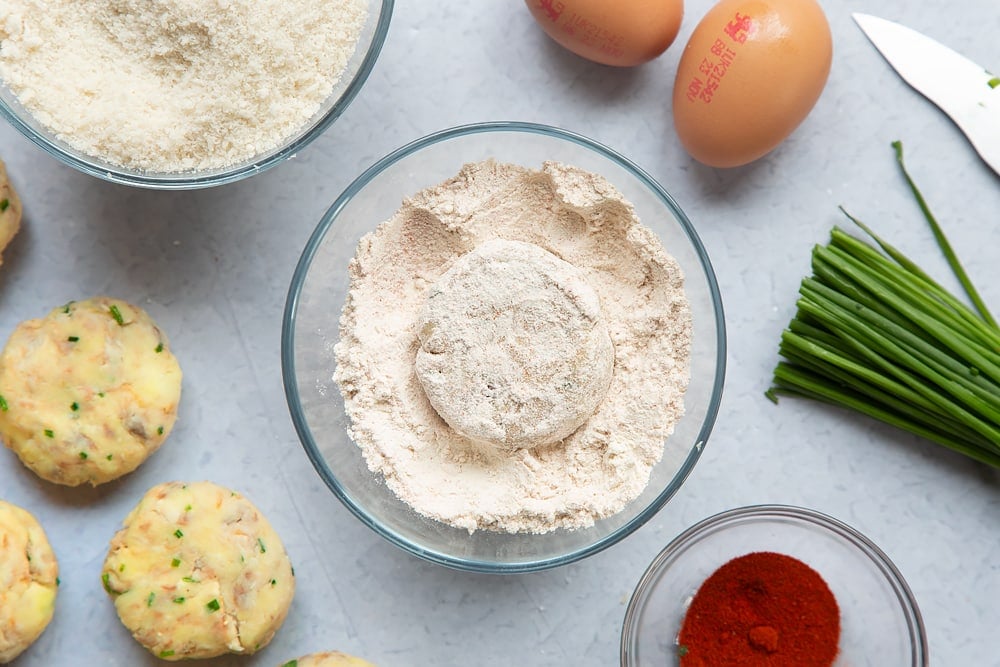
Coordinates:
x,y
739,27
552,8
722,55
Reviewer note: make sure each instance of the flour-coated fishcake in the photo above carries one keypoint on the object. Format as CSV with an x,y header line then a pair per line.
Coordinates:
x,y
514,349
10,211
197,571
328,659
28,581
87,392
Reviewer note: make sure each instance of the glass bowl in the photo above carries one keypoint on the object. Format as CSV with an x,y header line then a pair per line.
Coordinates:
x,y
316,297
355,74
881,625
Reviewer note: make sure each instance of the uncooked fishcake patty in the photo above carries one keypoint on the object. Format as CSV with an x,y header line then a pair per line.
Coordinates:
x,y
10,210
513,348
328,659
28,581
197,571
87,392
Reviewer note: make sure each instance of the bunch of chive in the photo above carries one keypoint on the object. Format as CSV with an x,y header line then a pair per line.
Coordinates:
x,y
875,334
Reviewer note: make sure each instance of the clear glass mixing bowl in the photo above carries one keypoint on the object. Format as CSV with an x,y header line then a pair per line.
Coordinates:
x,y
355,74
318,290
880,623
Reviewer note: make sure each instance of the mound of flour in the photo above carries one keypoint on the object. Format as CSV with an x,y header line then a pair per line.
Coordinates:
x,y
598,469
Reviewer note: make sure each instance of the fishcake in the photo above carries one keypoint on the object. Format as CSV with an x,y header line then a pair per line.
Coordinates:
x,y
10,211
328,659
196,571
87,392
28,581
514,350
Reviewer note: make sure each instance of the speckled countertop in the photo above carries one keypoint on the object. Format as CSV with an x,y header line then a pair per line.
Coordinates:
x,y
213,268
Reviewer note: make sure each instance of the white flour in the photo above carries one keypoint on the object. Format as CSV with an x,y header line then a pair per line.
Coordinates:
x,y
175,85
603,465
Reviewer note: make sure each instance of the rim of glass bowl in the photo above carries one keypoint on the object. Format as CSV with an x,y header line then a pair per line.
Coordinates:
x,y
288,360
209,178
908,604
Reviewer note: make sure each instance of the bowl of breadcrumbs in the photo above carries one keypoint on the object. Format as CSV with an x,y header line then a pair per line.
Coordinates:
x,y
503,347
180,95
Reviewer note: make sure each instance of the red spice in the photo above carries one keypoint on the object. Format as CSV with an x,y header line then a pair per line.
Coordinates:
x,y
762,609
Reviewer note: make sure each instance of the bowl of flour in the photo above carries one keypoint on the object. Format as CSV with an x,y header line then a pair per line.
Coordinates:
x,y
504,347
182,95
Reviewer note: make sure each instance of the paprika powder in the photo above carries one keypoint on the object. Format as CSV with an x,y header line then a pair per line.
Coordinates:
x,y
762,609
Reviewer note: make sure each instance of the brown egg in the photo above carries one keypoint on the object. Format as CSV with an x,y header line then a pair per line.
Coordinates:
x,y
612,32
751,72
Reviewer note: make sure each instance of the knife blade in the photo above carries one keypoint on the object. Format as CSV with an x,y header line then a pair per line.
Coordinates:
x,y
965,91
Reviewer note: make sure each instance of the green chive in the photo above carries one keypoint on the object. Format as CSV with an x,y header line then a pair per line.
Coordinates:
x,y
187,508
190,580
3,404
175,562
213,605
121,568
291,663
159,348
166,654
149,600
74,406
73,339
682,650
49,433
274,582
83,455
101,394
260,543
117,315
875,334
994,82
108,457
159,430
178,533
106,580
58,581
4,203
942,241
179,600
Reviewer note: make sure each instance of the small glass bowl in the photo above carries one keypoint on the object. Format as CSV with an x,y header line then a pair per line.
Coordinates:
x,y
881,625
355,74
317,294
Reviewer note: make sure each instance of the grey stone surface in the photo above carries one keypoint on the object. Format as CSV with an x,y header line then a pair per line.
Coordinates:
x,y
213,268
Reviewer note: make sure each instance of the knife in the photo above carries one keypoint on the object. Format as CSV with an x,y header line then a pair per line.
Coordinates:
x,y
965,91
